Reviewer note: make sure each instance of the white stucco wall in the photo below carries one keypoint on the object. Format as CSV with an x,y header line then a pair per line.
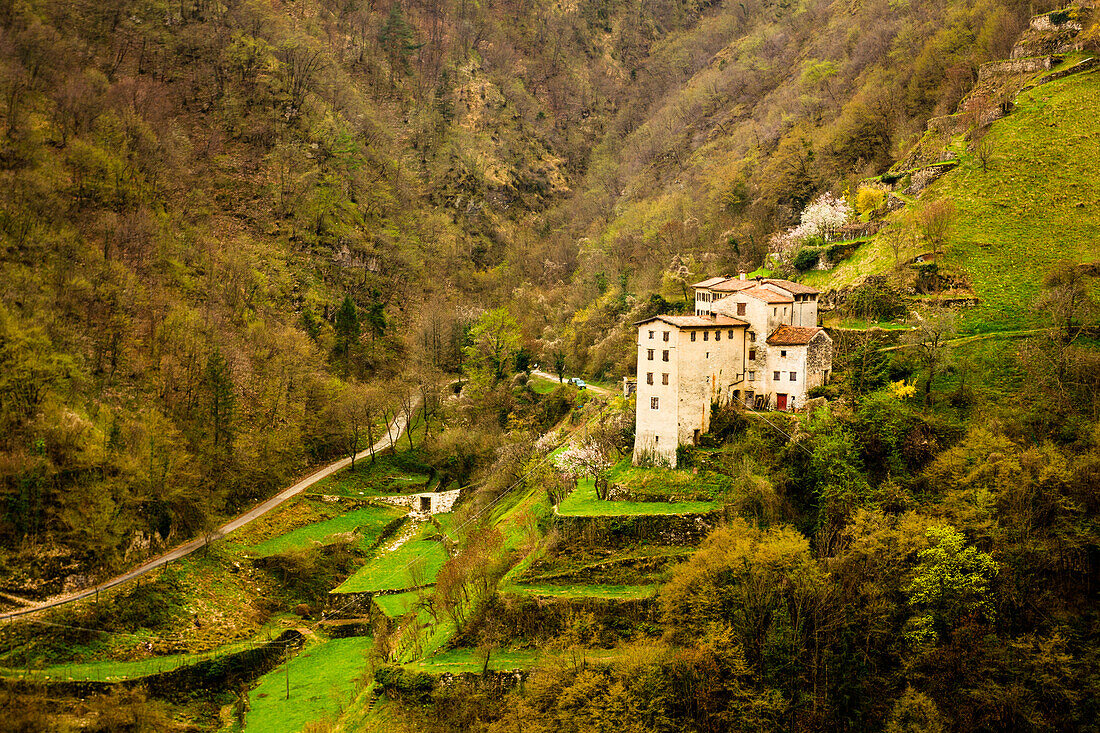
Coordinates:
x,y
656,431
794,361
441,501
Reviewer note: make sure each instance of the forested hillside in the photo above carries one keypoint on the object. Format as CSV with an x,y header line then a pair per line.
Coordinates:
x,y
192,190
239,239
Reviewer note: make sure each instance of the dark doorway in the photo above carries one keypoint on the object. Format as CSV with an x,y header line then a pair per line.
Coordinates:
x,y
426,504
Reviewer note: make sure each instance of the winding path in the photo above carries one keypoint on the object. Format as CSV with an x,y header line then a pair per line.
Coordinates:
x,y
392,434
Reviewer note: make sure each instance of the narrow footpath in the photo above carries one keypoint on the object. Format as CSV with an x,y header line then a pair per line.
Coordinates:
x,y
395,430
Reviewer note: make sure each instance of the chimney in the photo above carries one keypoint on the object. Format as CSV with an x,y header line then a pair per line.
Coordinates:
x,y
741,274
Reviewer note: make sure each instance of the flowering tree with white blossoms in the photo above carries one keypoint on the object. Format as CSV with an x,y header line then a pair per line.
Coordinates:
x,y
584,460
826,213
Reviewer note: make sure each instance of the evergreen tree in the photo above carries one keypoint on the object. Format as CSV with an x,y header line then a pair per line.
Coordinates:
x,y
396,38
347,331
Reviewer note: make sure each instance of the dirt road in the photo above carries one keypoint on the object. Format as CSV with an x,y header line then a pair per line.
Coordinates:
x,y
395,431
592,387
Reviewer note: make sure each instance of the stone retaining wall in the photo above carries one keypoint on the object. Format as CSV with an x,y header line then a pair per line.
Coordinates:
x,y
532,620
657,529
1011,67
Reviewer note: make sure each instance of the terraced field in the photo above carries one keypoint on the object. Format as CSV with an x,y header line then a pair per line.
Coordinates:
x,y
397,605
468,660
364,524
414,563
322,679
400,472
625,592
584,502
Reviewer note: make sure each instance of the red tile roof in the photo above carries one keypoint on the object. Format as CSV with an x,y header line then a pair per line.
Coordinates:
x,y
732,285
793,336
709,282
792,287
696,321
767,295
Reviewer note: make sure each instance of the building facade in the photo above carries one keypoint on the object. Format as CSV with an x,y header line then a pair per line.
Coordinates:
x,y
753,342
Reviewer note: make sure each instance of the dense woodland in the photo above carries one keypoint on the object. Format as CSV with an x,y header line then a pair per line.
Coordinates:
x,y
238,238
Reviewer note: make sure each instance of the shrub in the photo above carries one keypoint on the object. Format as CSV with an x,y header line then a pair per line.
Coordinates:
x,y
875,300
685,456
806,258
870,198
828,391
397,682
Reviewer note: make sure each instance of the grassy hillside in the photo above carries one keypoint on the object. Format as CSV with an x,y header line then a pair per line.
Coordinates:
x,y
1029,209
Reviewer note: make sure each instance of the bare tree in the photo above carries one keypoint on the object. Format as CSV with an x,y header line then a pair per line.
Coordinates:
x,y
928,338
983,152
935,221
355,410
1067,301
409,400
431,387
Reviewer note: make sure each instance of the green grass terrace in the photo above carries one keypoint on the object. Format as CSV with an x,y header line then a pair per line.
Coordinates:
x,y
413,564
322,680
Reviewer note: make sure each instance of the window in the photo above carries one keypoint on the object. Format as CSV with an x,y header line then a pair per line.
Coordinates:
x,y
664,379
783,352
740,309
752,336
708,354
717,335
649,354
654,403
666,335
649,378
752,354
651,334
692,335
706,335
752,376
784,310
730,334
774,311
664,355
775,376
794,376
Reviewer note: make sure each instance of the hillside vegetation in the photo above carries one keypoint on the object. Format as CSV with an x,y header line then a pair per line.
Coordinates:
x,y
240,239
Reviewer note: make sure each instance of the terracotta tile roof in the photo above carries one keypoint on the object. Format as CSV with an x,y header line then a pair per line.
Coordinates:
x,y
792,336
732,285
709,282
792,287
696,321
767,295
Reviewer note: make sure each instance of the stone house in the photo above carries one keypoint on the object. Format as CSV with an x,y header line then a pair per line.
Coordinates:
x,y
753,342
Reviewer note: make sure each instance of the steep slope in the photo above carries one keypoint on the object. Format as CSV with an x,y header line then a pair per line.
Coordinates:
x,y
190,192
1025,203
